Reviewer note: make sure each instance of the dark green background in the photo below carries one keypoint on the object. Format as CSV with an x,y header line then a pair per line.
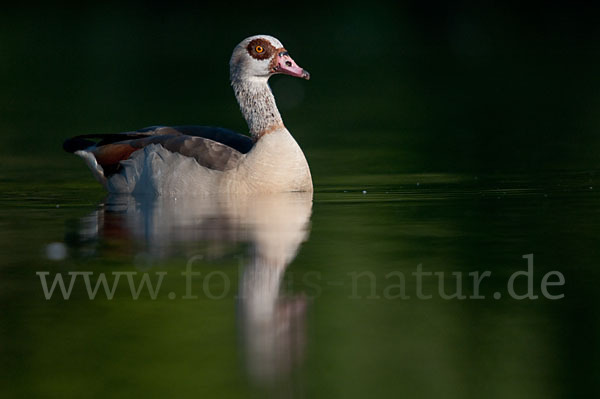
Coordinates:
x,y
419,86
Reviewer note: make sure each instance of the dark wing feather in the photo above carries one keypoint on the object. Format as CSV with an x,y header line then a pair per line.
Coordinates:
x,y
212,147
206,152
228,137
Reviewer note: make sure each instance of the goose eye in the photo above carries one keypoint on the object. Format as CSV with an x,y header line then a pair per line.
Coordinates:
x,y
259,49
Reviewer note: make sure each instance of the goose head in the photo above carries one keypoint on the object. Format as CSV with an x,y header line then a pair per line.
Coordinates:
x,y
259,57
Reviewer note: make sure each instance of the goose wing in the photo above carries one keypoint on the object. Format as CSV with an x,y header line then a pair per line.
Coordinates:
x,y
212,147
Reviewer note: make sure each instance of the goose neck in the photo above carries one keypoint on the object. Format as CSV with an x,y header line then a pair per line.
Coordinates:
x,y
258,106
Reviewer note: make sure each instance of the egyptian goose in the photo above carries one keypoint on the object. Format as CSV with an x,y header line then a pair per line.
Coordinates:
x,y
206,160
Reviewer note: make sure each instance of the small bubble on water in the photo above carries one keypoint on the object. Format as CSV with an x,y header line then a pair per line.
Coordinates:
x,y
56,251
364,191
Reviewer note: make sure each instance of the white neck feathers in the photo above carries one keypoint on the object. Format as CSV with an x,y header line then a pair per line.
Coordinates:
x,y
257,105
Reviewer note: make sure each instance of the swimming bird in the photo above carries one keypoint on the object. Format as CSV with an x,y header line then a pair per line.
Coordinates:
x,y
206,160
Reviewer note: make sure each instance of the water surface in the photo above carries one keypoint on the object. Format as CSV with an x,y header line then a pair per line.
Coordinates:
x,y
298,295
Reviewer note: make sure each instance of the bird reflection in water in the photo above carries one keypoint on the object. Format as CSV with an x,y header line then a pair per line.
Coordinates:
x,y
272,325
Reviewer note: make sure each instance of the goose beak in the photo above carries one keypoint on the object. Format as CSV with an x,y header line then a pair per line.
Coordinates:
x,y
286,65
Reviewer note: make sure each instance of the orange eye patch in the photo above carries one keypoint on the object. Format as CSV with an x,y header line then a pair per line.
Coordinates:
x,y
259,49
